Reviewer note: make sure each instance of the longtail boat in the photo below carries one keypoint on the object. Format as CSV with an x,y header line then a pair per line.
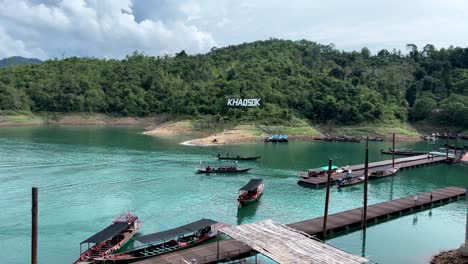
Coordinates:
x,y
250,192
171,240
227,157
110,238
404,152
383,173
221,169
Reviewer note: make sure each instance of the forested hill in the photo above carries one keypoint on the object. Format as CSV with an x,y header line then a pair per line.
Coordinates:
x,y
293,79
18,60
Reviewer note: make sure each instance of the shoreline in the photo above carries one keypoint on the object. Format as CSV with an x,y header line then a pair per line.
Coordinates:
x,y
243,134
240,134
77,119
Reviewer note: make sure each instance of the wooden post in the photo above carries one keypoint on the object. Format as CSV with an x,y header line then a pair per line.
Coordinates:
x,y
217,247
363,250
393,152
327,198
447,145
456,140
366,169
34,227
464,247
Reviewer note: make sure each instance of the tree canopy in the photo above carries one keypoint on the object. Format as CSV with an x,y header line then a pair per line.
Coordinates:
x,y
292,78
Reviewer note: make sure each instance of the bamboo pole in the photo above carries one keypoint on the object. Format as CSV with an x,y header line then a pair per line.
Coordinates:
x,y
34,226
366,168
327,198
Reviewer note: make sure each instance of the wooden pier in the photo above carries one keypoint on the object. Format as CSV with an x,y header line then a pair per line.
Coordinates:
x,y
352,218
402,163
231,249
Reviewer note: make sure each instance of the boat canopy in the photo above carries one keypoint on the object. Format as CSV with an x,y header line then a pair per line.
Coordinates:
x,y
251,185
107,233
326,167
176,232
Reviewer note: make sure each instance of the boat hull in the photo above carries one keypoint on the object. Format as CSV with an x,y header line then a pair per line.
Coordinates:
x,y
349,182
130,258
239,158
223,171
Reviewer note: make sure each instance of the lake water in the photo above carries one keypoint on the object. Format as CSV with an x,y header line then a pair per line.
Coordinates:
x,y
88,175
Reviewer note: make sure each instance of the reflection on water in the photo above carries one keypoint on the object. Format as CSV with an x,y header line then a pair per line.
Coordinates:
x,y
247,212
88,175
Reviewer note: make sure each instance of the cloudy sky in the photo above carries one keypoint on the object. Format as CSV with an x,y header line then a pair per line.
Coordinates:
x,y
114,28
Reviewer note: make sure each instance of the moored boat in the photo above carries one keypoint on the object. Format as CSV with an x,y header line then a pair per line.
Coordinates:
x,y
277,138
383,173
221,169
250,192
349,181
404,152
171,240
227,157
110,238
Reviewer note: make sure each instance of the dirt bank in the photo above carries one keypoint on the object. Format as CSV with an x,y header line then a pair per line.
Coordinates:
x,y
449,257
232,136
180,128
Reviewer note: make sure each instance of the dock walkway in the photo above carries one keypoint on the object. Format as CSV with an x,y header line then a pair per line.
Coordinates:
x,y
402,163
231,249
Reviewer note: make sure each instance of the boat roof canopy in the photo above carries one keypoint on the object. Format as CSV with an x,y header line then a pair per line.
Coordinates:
x,y
175,232
107,233
251,185
326,167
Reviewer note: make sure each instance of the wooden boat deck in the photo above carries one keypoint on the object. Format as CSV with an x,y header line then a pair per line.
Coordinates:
x,y
403,163
231,249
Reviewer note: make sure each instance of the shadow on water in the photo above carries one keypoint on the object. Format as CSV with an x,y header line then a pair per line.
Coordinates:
x,y
247,212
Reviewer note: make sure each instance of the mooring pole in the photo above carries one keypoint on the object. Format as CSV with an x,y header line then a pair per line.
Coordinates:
x,y
447,147
363,251
366,169
393,151
217,246
327,198
456,140
34,226
464,247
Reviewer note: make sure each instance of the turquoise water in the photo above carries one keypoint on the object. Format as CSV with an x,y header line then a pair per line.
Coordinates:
x,y
88,175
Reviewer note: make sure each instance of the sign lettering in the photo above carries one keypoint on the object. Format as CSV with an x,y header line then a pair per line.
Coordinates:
x,y
243,102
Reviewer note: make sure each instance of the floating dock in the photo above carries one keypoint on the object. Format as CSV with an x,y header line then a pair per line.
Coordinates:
x,y
231,249
402,163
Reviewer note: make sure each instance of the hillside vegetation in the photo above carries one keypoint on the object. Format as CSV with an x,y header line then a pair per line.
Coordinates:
x,y
18,60
294,79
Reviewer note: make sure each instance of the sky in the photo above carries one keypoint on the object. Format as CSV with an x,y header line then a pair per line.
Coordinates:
x,y
115,28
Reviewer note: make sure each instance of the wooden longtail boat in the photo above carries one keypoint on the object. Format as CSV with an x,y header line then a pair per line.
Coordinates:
x,y
227,157
383,173
349,181
222,169
250,192
171,240
404,152
110,238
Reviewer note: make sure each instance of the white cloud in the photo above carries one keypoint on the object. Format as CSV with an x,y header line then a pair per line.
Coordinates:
x,y
114,28
100,28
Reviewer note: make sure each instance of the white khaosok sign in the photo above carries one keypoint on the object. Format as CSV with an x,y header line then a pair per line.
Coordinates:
x,y
243,102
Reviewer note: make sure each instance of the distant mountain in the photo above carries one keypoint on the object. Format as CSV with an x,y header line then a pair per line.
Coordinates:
x,y
18,60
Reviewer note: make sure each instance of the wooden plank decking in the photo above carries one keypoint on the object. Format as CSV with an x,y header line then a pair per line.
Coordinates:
x,y
402,163
231,249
